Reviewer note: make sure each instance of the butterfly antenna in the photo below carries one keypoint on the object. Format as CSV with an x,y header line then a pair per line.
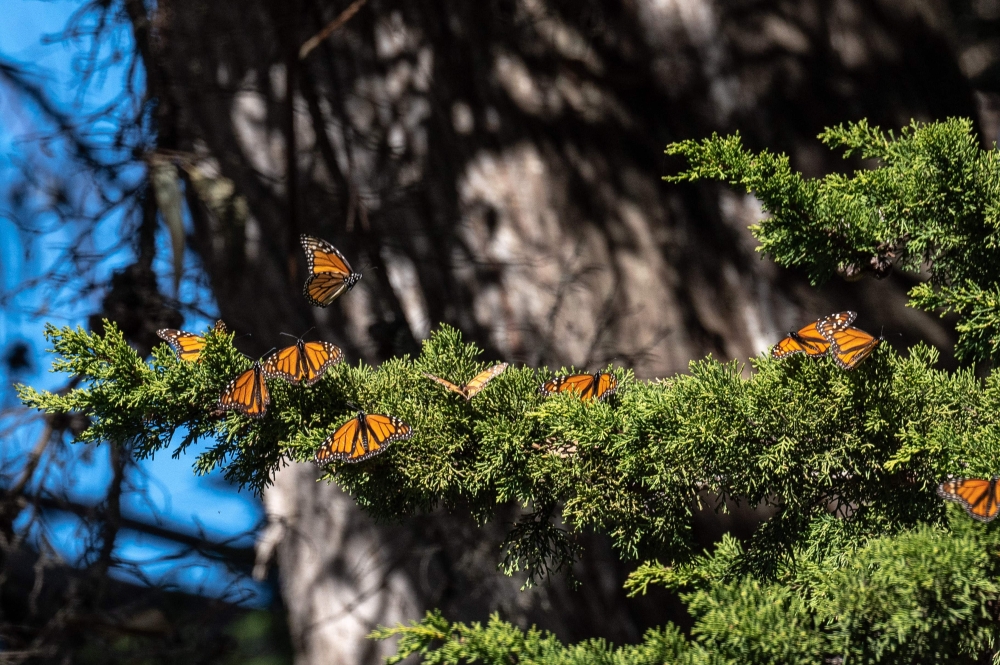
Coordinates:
x,y
273,348
354,406
288,335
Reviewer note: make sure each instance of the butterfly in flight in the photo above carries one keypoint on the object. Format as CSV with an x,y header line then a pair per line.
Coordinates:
x,y
589,386
979,497
851,345
302,362
361,437
812,340
477,383
329,272
188,346
247,393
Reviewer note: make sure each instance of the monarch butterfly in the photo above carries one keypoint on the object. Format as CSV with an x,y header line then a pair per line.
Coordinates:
x,y
302,362
247,393
188,346
979,497
812,340
362,437
477,383
851,346
329,272
589,386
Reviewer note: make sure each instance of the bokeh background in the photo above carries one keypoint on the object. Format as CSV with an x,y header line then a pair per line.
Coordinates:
x,y
492,165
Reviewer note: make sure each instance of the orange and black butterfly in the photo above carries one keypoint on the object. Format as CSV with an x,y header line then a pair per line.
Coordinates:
x,y
812,340
477,383
979,497
302,362
851,345
188,346
247,393
362,437
329,272
589,386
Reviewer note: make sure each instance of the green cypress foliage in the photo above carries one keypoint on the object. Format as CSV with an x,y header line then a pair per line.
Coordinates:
x,y
861,560
933,203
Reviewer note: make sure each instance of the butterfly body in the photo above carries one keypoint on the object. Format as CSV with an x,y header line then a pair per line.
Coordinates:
x,y
978,496
589,386
302,362
812,339
362,437
247,393
477,383
330,275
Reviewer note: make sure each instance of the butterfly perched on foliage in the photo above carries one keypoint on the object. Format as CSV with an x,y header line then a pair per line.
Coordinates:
x,y
979,497
813,340
589,386
361,437
187,346
247,393
850,346
302,362
329,272
477,383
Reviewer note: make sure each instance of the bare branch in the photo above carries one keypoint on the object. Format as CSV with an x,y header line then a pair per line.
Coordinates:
x,y
330,28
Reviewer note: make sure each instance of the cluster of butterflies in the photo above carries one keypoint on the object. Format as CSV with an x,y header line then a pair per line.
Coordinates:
x,y
834,334
304,363
366,435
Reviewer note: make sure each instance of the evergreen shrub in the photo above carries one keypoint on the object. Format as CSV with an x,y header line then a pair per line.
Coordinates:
x,y
861,561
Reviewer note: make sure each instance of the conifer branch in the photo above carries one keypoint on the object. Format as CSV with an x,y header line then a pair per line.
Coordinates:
x,y
932,203
800,434
926,594
861,560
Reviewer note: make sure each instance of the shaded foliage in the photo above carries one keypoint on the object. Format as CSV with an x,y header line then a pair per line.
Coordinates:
x,y
930,592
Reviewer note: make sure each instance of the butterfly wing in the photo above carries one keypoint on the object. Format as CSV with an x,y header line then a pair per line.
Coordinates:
x,y
380,431
480,380
851,346
317,357
786,347
322,257
447,384
247,393
834,323
584,384
607,385
977,496
329,272
287,363
187,346
323,288
806,340
343,444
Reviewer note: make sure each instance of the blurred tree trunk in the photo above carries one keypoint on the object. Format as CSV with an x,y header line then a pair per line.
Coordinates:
x,y
496,165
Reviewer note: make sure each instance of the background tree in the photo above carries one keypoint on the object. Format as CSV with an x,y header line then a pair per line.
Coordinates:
x,y
858,559
498,167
